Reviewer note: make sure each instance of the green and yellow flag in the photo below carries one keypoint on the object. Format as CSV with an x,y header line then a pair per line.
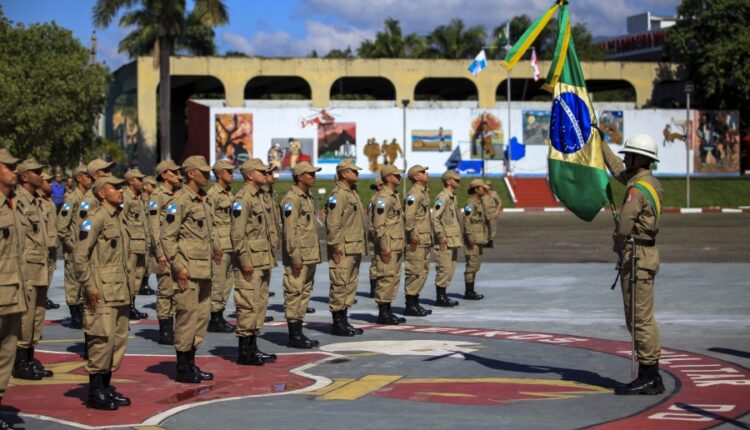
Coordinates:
x,y
577,173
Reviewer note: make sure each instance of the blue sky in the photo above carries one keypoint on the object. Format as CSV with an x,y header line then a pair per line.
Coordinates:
x,y
287,28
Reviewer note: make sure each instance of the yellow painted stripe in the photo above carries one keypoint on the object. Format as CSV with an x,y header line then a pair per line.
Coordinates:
x,y
530,38
561,61
361,387
654,195
335,385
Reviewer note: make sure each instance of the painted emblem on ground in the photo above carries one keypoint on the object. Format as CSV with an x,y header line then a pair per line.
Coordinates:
x,y
707,391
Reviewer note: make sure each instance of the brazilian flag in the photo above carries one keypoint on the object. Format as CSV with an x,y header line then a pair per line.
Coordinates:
x,y
577,173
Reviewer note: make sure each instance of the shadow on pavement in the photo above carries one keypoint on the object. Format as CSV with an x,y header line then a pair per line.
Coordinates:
x,y
730,351
714,416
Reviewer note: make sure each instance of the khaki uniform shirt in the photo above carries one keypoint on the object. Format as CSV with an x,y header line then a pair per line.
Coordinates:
x,y
134,220
345,221
274,217
417,215
388,222
249,229
445,219
636,218
30,214
100,256
300,244
476,221
66,230
492,201
156,214
220,201
83,211
12,297
184,234
370,229
49,213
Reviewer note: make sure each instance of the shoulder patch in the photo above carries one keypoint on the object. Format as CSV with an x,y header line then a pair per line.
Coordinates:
x,y
468,209
66,206
85,205
237,208
288,208
86,225
438,203
381,203
153,204
332,202
172,209
410,199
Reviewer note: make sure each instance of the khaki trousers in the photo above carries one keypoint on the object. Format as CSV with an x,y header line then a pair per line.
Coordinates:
x,y
389,277
192,310
344,277
493,225
221,282
32,320
136,263
251,300
165,300
297,291
473,262
445,266
647,339
107,337
416,268
10,327
72,287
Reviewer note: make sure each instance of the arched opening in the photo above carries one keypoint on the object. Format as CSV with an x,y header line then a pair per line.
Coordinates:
x,y
668,94
522,89
278,88
373,88
184,88
450,89
610,90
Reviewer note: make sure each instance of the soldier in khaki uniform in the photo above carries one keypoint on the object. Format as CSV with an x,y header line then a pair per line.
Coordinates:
x,y
100,258
34,269
476,235
254,260
12,297
188,223
168,173
636,227
300,252
149,186
347,243
418,225
67,233
272,205
376,186
387,218
219,198
49,213
494,206
134,220
445,221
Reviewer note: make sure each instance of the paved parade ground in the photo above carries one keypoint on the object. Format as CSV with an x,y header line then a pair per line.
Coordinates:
x,y
543,349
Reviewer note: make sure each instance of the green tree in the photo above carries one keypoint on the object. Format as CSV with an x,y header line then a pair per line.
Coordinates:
x,y
391,43
50,96
711,41
455,41
164,27
338,53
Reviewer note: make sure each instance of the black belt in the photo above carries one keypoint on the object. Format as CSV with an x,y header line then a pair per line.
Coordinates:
x,y
644,242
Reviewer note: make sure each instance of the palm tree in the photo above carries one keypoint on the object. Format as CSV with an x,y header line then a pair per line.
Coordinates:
x,y
455,40
391,43
162,26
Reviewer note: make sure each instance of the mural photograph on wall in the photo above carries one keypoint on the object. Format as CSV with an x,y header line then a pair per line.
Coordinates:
x,y
439,140
337,141
611,124
286,152
234,137
716,142
535,127
486,137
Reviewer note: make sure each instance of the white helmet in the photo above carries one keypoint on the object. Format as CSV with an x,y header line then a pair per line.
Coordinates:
x,y
641,144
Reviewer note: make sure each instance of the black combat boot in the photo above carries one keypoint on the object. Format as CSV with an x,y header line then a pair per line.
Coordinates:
x,y
427,311
413,309
339,327
51,305
185,371
470,294
271,294
247,356
267,358
373,285
353,329
217,323
135,314
166,332
76,316
648,382
145,290
297,339
37,365
111,391
442,299
268,318
205,376
98,397
401,320
386,317
310,310
22,367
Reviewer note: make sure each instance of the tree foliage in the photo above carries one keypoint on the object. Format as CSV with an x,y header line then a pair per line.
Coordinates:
x,y
391,43
50,97
455,40
711,41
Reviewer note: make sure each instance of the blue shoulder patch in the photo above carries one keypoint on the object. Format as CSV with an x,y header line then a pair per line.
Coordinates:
x,y
85,205
288,209
66,206
438,203
86,225
332,202
410,199
153,204
172,209
468,209
381,203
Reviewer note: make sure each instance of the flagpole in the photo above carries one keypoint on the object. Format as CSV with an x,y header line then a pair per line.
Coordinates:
x,y
510,147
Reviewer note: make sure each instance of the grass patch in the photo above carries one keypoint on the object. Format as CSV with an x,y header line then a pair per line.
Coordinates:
x,y
704,192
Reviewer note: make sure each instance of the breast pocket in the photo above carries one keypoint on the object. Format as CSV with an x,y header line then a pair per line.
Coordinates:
x,y
114,286
199,256
110,242
259,253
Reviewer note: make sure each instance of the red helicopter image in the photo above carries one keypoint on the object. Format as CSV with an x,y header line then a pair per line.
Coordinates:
x,y
321,118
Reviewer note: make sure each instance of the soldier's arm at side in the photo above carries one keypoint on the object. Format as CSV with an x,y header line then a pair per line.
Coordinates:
x,y
64,222
410,221
155,221
614,163
627,217
437,214
334,227
170,232
212,202
382,238
237,227
291,241
82,251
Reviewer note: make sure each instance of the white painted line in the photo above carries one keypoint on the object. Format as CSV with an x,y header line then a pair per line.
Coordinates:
x,y
691,210
744,207
554,209
514,210
731,211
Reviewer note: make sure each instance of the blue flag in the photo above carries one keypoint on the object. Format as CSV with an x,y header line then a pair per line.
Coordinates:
x,y
479,63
